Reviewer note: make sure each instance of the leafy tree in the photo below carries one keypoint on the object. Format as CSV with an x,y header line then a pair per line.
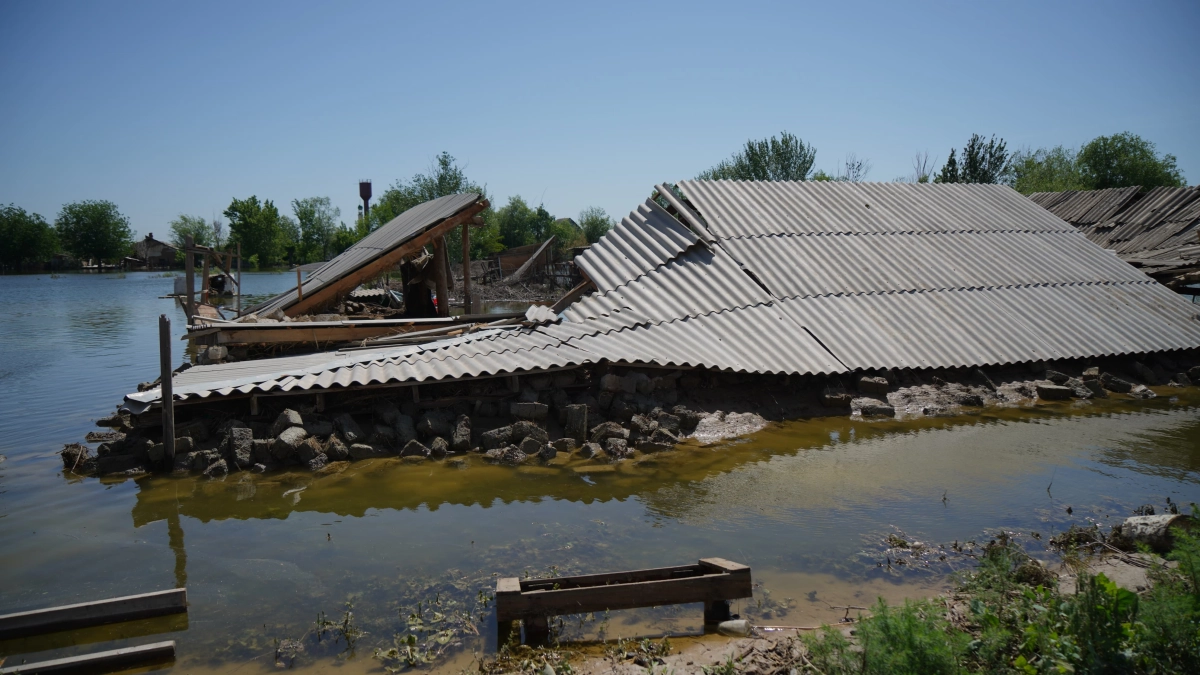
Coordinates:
x,y
257,227
24,238
783,158
855,170
1052,170
595,223
199,228
317,219
94,229
289,239
345,236
1124,160
982,162
519,224
821,176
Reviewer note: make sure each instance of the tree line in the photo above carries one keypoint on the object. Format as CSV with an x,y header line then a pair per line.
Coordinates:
x,y
1120,160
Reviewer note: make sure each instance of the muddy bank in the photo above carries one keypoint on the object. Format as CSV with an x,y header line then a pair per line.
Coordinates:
x,y
587,416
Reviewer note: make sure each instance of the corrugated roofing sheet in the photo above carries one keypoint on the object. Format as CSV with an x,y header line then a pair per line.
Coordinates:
x,y
647,238
388,237
1082,207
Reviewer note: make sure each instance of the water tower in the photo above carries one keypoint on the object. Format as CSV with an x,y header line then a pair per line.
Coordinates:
x,y
364,191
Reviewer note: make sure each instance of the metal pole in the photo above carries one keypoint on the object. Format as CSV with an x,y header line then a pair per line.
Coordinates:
x,y
239,252
189,266
168,393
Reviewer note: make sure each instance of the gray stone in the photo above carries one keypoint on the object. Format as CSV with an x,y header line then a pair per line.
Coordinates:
x,y
439,448
460,440
548,452
1148,376
322,428
309,449
383,434
688,419
531,446
510,454
1182,380
607,430
576,424
564,445
669,422
1077,386
1092,373
406,429
873,385
604,400
589,450
157,454
1142,391
1096,388
616,448
260,450
351,432
1193,373
610,383
525,429
335,449
317,463
1057,377
663,436
241,447
364,451
1114,383
1054,392
436,422
528,411
643,424
496,438
632,383
217,469
870,407
286,420
415,449
288,442
218,353
621,409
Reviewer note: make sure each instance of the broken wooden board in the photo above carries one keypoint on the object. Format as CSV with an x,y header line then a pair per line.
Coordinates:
x,y
99,612
100,662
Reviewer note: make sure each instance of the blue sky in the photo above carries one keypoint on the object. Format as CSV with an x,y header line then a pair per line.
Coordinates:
x,y
168,108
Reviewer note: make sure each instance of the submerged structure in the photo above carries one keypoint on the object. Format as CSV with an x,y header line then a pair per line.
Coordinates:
x,y
789,278
1157,230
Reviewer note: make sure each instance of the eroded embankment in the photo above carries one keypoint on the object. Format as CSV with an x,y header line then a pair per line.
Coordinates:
x,y
588,416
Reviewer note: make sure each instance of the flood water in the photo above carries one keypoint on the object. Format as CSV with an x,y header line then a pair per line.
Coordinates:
x,y
808,505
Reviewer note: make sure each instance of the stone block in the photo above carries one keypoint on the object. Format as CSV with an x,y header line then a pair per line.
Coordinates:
x,y
439,448
1054,392
528,411
286,420
610,383
496,438
349,429
873,385
288,442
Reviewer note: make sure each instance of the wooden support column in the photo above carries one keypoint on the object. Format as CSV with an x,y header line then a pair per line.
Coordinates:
x,y
168,394
189,267
299,285
204,281
466,262
439,275
239,278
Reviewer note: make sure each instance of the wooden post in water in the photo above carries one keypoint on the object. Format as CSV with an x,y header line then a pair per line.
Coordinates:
x,y
189,267
204,280
168,394
239,279
466,256
440,270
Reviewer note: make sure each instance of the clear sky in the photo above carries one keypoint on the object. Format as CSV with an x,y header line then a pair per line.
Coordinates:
x,y
171,107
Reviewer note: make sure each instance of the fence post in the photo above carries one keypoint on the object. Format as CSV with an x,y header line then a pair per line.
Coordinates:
x,y
168,394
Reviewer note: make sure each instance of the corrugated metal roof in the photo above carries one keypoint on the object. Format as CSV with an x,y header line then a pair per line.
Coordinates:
x,y
1083,207
647,238
745,208
934,276
388,237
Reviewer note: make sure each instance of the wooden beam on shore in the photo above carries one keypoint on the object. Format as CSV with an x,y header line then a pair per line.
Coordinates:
x,y
97,613
342,287
100,662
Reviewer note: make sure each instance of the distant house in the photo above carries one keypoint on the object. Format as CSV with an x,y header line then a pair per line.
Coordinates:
x,y
154,253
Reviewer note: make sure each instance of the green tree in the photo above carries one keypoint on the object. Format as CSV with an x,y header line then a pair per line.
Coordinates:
x,y
982,162
1124,160
595,223
783,158
257,227
199,228
1047,170
24,238
519,224
94,229
317,219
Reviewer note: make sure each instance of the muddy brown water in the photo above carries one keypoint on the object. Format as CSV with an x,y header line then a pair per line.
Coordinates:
x,y
808,505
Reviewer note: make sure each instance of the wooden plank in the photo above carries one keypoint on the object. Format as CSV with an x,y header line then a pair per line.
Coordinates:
x,y
97,613
572,295
332,292
100,662
654,574
440,272
624,596
466,267
723,565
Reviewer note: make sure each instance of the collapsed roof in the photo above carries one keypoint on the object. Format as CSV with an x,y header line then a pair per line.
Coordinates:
x,y
794,278
1157,230
377,252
